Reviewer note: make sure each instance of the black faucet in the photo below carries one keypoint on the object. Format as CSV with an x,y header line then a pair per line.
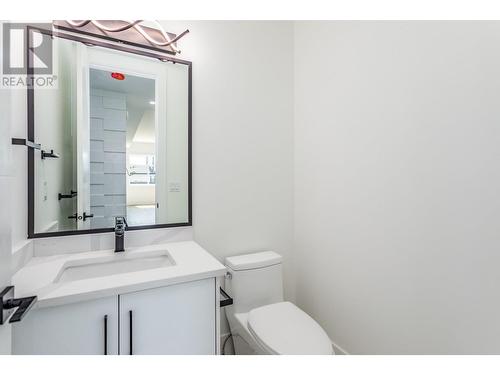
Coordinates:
x,y
120,226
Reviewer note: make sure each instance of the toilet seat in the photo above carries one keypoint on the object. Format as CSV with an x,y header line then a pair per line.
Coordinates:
x,y
283,328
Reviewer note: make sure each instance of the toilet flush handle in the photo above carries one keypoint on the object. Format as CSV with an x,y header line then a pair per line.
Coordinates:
x,y
14,308
225,299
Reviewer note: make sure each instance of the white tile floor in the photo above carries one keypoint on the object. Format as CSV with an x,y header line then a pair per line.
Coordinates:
x,y
141,215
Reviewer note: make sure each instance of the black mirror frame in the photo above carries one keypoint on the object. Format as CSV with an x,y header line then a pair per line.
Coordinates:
x,y
144,50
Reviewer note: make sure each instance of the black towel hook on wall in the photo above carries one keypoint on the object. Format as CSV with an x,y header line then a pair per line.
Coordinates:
x,y
50,154
36,146
70,195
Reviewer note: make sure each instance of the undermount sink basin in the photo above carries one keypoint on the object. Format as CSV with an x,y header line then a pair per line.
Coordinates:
x,y
114,264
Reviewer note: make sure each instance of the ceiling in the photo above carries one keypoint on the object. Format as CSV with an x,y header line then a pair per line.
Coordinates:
x,y
142,90
139,91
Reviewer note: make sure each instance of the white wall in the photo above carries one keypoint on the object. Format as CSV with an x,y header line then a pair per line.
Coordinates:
x,y
5,204
54,118
242,135
175,140
397,180
19,185
145,131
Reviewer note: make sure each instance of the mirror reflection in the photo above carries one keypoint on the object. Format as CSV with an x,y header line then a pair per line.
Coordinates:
x,y
122,148
117,126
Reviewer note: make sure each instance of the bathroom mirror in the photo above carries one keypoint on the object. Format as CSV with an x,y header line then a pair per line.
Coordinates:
x,y
115,140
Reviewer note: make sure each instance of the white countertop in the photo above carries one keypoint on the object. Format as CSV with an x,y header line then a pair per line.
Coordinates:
x,y
38,277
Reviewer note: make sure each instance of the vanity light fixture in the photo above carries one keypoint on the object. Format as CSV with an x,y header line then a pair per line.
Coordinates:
x,y
106,27
152,102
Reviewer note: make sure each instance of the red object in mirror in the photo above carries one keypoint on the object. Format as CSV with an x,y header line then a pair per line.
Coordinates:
x,y
118,76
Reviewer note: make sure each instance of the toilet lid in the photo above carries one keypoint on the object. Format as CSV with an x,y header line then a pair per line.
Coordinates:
x,y
283,328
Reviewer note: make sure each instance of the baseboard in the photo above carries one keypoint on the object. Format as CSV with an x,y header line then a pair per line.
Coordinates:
x,y
339,350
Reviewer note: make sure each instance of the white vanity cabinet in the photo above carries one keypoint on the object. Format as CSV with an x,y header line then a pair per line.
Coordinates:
x,y
175,319
89,327
179,319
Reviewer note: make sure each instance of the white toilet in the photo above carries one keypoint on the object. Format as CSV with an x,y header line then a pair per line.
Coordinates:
x,y
260,321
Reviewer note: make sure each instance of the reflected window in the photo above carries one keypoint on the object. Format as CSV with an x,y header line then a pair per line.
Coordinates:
x,y
141,169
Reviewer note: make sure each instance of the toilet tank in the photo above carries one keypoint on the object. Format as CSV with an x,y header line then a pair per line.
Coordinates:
x,y
255,280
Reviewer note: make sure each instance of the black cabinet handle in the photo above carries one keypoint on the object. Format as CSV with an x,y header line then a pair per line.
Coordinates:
x,y
105,335
131,339
74,216
85,216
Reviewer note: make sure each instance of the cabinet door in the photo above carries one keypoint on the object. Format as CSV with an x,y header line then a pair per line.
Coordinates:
x,y
89,327
178,319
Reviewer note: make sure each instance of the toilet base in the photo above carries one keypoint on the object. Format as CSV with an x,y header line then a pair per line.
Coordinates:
x,y
244,343
241,347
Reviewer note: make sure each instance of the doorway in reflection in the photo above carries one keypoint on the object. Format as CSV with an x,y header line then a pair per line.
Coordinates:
x,y
122,148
